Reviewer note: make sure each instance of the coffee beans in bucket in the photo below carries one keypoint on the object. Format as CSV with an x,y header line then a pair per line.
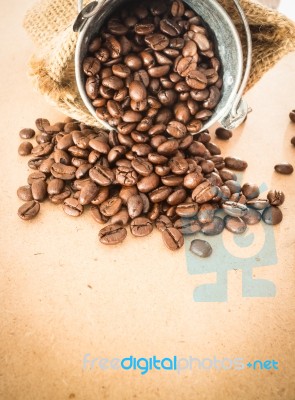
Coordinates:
x,y
174,184
153,68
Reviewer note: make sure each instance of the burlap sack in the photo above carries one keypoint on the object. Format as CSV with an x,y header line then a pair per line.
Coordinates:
x,y
49,23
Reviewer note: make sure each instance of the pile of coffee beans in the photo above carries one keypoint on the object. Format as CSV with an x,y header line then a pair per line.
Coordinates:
x,y
146,180
153,68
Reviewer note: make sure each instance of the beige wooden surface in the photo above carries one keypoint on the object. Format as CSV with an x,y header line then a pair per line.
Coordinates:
x,y
64,295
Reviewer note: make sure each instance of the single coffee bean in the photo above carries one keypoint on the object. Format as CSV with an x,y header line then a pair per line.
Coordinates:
x,y
163,222
170,27
137,91
55,186
176,129
189,49
284,168
88,193
41,124
42,149
148,183
91,66
179,166
157,41
133,61
168,147
234,209
121,218
235,224
126,176
134,206
223,134
29,210
250,190
91,87
36,176
112,234
157,72
142,166
167,97
141,226
201,248
272,215
292,115
177,8
160,194
204,192
227,175
196,80
206,213
172,238
252,217
25,193
102,175
172,180
61,171
72,207
235,163
233,186
59,198
213,228
27,133
187,210
275,197
144,29
193,179
25,148
187,226
39,190
258,204
111,206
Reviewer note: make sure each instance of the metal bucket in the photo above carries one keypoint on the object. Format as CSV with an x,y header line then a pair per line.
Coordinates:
x,y
231,110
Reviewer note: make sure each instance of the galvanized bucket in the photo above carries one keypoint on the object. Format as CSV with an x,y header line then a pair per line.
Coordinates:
x,y
232,110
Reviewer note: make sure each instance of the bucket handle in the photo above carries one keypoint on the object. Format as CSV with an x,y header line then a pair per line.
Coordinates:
x,y
239,110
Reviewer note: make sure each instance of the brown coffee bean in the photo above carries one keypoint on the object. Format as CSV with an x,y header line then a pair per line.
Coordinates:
x,y
235,224
177,8
176,129
187,226
172,180
157,41
235,163
284,168
212,101
134,206
126,176
88,193
250,190
92,85
142,166
148,183
252,217
39,190
223,134
72,207
113,82
172,238
179,166
157,72
121,70
60,197
196,80
112,234
157,159
25,148
42,149
204,192
168,147
91,66
160,194
27,133
29,210
167,97
111,206
201,248
55,186
275,197
187,210
41,123
292,115
272,215
293,140
133,61
137,91
121,218
141,226
25,193
170,27
102,175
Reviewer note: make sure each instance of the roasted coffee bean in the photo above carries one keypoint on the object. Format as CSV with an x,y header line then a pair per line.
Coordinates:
x,y
41,124
126,176
284,168
39,190
177,197
55,186
293,140
172,238
29,210
235,163
227,175
201,248
158,72
177,8
172,180
121,218
25,193
234,209
206,213
167,97
61,171
170,27
160,194
204,192
179,166
250,190
25,148
196,80
185,65
141,226
252,217
233,186
182,112
102,175
142,166
42,149
112,234
72,207
88,193
272,215
91,66
292,115
187,226
133,61
176,129
163,222
98,216
193,179
110,206
213,228
148,183
223,134
36,176
189,49
137,91
27,133
134,206
194,126
235,224
60,197
187,210
258,204
113,82
157,41
275,197
92,85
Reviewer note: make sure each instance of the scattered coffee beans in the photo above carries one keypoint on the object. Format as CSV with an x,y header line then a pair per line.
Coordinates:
x,y
175,183
223,134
